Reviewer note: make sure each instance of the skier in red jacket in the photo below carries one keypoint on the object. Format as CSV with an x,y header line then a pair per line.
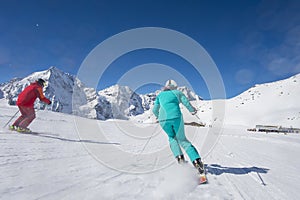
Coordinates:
x,y
25,103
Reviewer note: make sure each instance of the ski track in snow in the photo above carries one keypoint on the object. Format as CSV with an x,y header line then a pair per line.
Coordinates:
x,y
266,181
55,164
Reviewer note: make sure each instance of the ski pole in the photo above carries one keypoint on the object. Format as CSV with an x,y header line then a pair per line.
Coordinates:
x,y
146,144
11,118
200,123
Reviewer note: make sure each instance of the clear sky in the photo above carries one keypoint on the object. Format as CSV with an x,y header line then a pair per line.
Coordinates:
x,y
251,41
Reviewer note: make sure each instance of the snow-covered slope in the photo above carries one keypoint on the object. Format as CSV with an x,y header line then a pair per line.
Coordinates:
x,y
275,103
59,163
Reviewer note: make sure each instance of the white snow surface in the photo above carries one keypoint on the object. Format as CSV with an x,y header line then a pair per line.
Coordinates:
x,y
128,159
71,157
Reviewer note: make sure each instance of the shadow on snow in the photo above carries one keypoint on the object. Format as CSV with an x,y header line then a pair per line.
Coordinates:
x,y
216,169
69,140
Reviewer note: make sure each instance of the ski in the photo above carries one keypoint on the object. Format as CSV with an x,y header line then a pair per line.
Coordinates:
x,y
25,133
202,179
202,176
16,130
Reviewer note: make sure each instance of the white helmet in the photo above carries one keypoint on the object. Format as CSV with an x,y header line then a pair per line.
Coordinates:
x,y
171,84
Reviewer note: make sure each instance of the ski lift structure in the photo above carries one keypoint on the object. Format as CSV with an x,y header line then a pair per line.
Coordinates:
x,y
276,129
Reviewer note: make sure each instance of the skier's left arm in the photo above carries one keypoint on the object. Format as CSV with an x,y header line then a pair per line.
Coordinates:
x,y
156,107
187,103
42,97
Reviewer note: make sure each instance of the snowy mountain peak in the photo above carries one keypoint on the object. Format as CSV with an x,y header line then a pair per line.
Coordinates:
x,y
59,89
54,69
189,93
124,101
116,90
69,95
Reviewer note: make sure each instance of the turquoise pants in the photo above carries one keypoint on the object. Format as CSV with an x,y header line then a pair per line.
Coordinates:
x,y
175,131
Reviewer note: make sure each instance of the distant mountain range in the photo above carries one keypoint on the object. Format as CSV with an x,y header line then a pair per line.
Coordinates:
x,y
69,95
275,103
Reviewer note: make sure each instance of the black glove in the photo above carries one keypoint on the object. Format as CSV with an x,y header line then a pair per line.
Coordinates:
x,y
49,102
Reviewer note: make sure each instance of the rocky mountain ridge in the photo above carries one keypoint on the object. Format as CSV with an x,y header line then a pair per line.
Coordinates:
x,y
69,95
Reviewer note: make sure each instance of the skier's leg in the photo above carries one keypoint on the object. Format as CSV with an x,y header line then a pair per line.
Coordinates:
x,y
184,142
21,118
168,127
29,117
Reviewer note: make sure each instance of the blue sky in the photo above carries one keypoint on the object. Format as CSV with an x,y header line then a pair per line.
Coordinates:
x,y
251,42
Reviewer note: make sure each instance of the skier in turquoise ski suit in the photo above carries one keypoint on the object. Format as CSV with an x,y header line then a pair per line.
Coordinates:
x,y
167,111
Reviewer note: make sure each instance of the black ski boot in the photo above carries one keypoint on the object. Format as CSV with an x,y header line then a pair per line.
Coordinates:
x,y
198,164
180,159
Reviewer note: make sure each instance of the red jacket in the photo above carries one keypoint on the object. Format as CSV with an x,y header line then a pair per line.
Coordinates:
x,y
28,96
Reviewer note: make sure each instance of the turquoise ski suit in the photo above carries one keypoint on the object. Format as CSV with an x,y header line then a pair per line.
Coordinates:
x,y
167,111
